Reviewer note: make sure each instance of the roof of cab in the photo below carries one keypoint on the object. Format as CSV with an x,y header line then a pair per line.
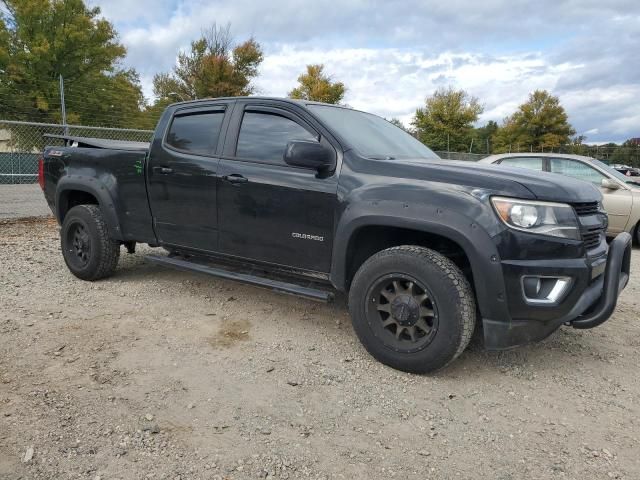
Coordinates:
x,y
499,156
279,99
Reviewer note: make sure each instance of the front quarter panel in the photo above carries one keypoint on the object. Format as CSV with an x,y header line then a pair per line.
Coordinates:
x,y
459,213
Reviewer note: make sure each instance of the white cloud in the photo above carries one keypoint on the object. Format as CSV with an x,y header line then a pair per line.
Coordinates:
x,y
392,54
393,82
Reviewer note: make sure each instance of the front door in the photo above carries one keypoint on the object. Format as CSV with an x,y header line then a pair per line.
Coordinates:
x,y
267,210
617,203
182,177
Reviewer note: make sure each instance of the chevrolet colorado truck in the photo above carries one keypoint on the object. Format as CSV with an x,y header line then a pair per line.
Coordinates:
x,y
312,199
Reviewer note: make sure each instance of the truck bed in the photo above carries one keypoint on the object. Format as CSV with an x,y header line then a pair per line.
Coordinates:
x,y
112,172
89,142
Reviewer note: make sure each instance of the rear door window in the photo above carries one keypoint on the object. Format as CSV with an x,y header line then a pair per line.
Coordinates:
x,y
196,133
532,163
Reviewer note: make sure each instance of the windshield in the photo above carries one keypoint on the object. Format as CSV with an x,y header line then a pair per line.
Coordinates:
x,y
372,136
615,173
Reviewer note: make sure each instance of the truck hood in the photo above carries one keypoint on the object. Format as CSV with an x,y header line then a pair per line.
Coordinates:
x,y
510,180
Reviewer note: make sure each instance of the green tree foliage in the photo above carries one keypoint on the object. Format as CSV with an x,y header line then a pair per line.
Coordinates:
x,y
538,124
446,121
483,137
317,86
43,39
627,154
212,68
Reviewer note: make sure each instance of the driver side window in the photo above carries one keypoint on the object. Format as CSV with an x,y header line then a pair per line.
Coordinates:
x,y
576,169
264,136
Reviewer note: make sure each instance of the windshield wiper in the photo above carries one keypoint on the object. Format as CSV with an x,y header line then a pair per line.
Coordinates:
x,y
381,157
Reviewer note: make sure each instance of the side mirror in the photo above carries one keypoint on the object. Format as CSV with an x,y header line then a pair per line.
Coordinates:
x,y
609,184
308,154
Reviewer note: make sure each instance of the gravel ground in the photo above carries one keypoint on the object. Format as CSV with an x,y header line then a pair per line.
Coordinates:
x,y
166,375
19,201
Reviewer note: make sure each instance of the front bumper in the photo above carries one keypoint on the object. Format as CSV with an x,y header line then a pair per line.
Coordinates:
x,y
591,304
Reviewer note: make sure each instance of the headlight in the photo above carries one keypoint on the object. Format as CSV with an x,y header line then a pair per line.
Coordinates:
x,y
543,218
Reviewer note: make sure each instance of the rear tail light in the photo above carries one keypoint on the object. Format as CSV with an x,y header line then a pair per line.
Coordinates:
x,y
41,172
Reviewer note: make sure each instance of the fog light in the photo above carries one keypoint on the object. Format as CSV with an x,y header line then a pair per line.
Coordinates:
x,y
542,289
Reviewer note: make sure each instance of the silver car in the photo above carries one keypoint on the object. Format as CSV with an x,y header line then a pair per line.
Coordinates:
x,y
621,194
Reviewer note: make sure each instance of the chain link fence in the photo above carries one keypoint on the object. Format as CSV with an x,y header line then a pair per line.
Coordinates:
x,y
22,142
467,157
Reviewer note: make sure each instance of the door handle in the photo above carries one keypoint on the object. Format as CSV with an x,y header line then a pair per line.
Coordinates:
x,y
162,170
235,178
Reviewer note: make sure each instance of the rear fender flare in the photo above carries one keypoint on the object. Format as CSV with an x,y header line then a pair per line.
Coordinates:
x,y
93,187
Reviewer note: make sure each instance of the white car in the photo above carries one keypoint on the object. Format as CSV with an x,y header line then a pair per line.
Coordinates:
x,y
621,194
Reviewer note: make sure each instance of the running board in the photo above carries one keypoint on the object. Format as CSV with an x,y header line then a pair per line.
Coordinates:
x,y
277,285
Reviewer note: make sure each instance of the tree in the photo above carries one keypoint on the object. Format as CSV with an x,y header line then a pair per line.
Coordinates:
x,y
483,137
41,40
446,121
538,124
317,86
398,123
212,68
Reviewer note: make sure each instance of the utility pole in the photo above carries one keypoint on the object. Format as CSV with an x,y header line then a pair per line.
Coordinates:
x,y
471,146
63,107
448,146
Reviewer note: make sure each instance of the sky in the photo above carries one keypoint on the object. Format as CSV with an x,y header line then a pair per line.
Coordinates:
x,y
393,54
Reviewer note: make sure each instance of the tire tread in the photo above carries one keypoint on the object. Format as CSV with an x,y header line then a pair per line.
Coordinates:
x,y
109,248
463,290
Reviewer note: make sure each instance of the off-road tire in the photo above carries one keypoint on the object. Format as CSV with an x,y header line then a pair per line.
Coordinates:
x,y
452,295
104,252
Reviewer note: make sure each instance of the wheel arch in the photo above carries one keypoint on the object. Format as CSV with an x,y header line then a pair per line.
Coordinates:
x,y
464,241
72,192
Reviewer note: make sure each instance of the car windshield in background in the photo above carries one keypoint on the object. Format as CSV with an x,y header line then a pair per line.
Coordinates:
x,y
372,136
634,182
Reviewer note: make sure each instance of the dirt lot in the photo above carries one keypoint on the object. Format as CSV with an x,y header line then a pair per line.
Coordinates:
x,y
159,374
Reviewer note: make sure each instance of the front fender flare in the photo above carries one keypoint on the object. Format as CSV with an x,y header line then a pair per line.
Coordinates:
x,y
472,238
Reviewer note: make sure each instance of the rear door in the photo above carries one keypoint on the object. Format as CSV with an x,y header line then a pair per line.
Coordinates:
x,y
267,210
182,176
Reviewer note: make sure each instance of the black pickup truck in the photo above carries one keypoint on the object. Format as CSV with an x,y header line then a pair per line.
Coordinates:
x,y
309,199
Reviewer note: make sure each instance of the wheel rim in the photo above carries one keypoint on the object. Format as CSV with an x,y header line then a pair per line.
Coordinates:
x,y
78,245
402,312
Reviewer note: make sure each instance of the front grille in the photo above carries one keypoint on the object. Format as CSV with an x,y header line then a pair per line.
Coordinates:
x,y
586,208
592,238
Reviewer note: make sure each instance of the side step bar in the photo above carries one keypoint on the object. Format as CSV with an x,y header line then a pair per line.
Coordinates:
x,y
276,285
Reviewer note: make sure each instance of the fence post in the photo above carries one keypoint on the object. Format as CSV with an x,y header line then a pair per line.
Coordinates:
x,y
63,107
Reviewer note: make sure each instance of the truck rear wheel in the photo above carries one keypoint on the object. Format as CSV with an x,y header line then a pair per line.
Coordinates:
x,y
412,308
87,249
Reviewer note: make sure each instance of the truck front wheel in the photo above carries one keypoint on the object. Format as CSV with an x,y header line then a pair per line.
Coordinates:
x,y
412,308
87,249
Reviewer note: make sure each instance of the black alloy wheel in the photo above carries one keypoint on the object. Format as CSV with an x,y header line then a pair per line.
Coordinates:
x,y
402,312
